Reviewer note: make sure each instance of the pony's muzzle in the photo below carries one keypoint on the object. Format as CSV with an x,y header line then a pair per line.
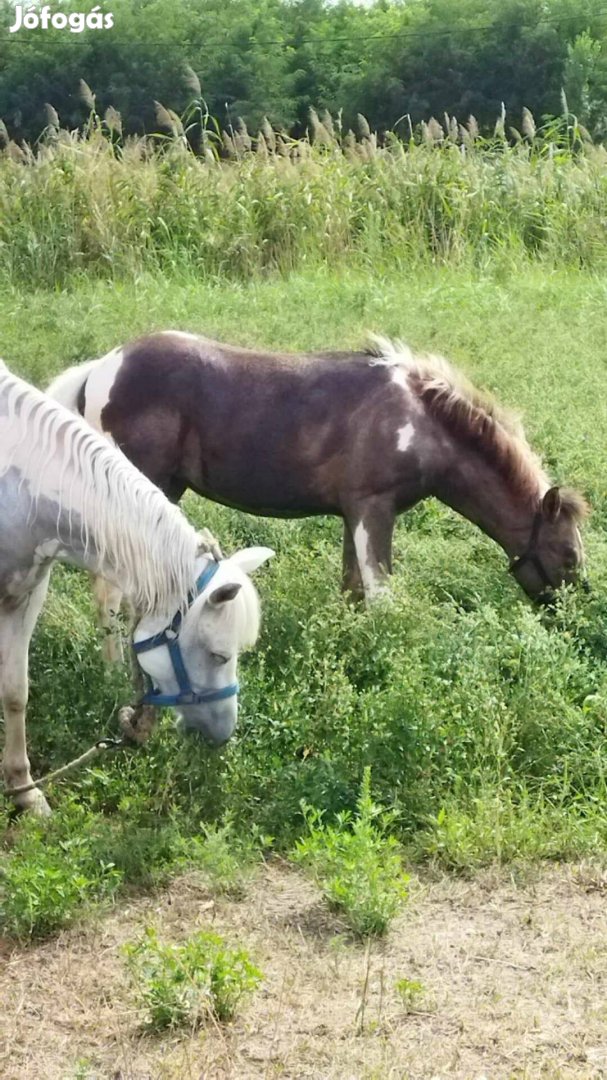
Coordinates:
x,y
215,723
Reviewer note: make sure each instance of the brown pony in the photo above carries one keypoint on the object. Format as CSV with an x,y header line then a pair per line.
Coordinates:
x,y
362,435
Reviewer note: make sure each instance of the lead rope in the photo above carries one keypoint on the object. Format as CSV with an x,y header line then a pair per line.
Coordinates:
x,y
97,748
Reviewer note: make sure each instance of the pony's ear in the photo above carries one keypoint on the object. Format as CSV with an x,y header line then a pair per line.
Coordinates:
x,y
552,504
250,559
223,593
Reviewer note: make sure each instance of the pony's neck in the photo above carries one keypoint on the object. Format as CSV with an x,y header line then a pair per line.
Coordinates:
x,y
477,490
154,577
83,499
63,542
58,537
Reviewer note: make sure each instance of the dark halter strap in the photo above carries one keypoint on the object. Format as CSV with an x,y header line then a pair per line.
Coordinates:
x,y
170,637
530,555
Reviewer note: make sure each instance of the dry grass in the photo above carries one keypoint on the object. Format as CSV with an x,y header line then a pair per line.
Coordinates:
x,y
514,978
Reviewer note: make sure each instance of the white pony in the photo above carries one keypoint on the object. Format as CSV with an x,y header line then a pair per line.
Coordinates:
x,y
67,494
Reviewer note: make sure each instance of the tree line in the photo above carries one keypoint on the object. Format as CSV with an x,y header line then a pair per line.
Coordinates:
x,y
395,61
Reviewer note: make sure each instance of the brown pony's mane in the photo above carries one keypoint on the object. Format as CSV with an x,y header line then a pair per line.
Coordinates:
x,y
573,504
474,417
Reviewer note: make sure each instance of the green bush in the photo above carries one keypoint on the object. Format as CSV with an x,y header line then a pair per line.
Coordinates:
x,y
185,984
51,873
227,859
44,885
357,866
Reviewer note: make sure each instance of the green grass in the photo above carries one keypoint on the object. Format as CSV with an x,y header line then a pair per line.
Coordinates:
x,y
483,720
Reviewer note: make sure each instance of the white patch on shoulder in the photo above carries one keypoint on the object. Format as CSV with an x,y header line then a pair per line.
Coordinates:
x,y
404,437
399,372
398,375
180,334
99,387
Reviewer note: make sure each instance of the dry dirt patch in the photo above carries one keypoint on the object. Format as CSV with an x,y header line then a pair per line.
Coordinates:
x,y
514,977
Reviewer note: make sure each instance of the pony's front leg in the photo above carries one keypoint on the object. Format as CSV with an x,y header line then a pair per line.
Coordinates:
x,y
16,628
351,580
372,525
108,599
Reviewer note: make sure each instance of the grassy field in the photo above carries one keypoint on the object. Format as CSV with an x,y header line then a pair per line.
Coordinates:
x,y
482,719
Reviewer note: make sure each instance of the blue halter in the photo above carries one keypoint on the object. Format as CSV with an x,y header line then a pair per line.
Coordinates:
x,y
170,637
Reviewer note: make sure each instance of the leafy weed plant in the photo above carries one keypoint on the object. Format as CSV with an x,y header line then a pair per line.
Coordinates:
x,y
356,864
227,860
182,985
410,993
44,884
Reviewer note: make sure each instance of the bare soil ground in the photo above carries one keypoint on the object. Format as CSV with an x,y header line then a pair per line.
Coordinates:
x,y
514,976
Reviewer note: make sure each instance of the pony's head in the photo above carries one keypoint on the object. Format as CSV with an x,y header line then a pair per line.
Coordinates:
x,y
192,662
553,554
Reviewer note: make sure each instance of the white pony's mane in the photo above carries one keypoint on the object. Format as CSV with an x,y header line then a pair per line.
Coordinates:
x,y
138,536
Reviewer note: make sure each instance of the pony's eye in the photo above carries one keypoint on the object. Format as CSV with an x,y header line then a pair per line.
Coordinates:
x,y
219,658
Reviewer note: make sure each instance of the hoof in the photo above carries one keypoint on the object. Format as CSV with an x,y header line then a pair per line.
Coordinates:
x,y
126,717
33,802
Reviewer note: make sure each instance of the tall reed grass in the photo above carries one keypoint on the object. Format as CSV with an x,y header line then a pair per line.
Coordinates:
x,y
238,205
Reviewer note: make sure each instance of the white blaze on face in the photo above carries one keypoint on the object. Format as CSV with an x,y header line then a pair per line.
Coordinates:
x,y
99,387
404,437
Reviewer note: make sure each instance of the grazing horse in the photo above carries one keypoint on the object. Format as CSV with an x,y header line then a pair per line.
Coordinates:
x,y
66,494
361,435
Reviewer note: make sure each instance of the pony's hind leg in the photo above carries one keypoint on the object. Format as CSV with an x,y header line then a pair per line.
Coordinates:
x,y
108,599
16,628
